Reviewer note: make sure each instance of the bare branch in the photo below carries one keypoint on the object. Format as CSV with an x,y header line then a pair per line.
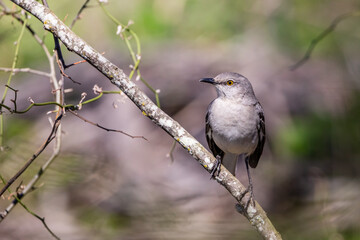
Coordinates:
x,y
30,186
321,36
104,128
17,199
60,61
15,96
25,70
59,57
255,214
56,103
78,15
76,63
31,160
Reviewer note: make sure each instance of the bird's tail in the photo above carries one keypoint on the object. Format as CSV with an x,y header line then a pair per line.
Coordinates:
x,y
229,161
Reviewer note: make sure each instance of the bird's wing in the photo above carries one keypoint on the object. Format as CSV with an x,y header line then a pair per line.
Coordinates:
x,y
212,145
255,156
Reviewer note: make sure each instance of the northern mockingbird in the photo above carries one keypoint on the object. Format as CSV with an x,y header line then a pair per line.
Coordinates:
x,y
235,124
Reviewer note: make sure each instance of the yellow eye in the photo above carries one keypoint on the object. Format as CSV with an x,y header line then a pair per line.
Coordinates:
x,y
230,82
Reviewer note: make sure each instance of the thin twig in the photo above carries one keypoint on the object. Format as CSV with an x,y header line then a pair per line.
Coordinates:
x,y
76,63
25,70
17,199
58,49
104,128
135,57
79,13
7,107
31,160
59,56
15,96
60,61
320,37
66,107
170,154
15,60
40,105
9,80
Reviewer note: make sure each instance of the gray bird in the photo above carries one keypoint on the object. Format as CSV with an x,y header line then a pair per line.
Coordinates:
x,y
235,124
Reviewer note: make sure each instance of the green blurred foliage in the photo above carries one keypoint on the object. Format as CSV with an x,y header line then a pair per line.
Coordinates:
x,y
293,28
318,137
186,20
290,26
306,137
30,53
16,127
107,223
350,234
151,24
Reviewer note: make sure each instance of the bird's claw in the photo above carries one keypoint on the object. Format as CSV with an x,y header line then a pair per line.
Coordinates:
x,y
249,201
216,169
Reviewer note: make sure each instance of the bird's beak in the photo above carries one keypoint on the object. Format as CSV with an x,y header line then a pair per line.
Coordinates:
x,y
208,80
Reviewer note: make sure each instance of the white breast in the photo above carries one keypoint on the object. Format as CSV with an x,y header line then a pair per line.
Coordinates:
x,y
234,126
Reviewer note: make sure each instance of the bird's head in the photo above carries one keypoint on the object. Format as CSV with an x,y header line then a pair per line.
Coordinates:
x,y
231,85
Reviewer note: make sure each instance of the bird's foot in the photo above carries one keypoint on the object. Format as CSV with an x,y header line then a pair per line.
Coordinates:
x,y
250,200
216,169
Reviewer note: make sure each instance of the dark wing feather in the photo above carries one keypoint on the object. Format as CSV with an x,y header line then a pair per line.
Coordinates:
x,y
255,156
212,145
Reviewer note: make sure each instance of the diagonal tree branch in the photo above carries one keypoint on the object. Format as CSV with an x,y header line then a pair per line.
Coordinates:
x,y
255,214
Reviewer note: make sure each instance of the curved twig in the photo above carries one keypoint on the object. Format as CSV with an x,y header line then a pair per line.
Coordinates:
x,y
104,128
321,36
135,57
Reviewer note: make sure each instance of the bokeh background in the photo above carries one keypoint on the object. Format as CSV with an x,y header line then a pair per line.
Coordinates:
x,y
109,186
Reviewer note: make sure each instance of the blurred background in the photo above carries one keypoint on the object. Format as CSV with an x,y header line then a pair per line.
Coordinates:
x,y
108,186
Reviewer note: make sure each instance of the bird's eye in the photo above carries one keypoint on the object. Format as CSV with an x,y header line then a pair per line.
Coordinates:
x,y
230,82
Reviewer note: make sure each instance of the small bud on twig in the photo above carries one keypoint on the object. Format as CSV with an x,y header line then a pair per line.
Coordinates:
x,y
130,22
119,30
97,90
83,96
